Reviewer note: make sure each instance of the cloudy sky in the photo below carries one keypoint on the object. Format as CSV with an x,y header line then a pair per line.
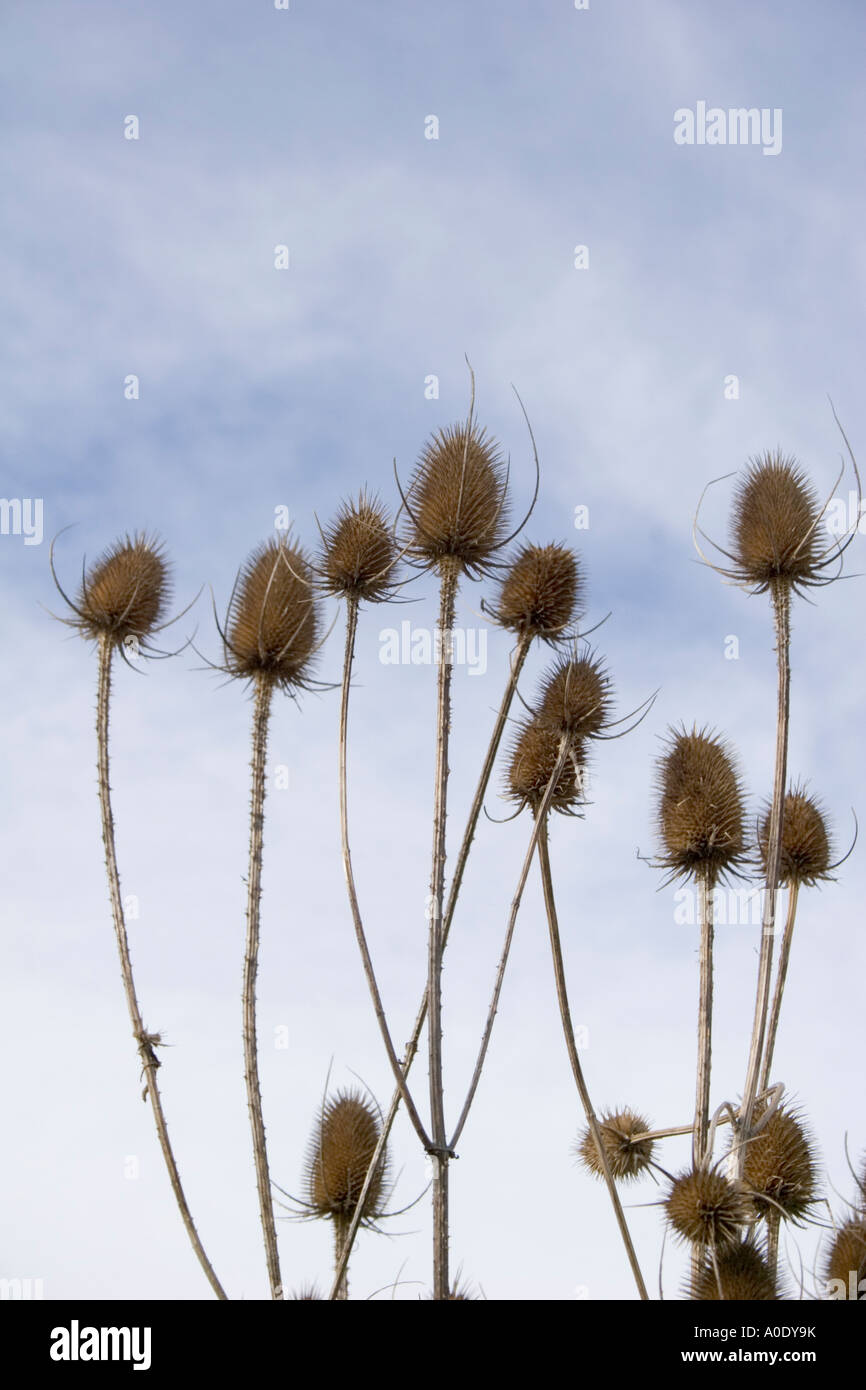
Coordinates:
x,y
716,303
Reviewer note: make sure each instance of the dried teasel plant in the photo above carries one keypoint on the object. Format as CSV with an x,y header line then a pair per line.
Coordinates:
x,y
707,1209
739,1274
627,1144
121,606
845,1261
780,1173
270,639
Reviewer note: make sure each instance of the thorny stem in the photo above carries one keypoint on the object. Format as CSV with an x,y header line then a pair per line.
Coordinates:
x,y
577,1070
781,974
518,659
342,1276
438,1150
782,618
705,1021
351,629
261,714
540,817
144,1040
773,1218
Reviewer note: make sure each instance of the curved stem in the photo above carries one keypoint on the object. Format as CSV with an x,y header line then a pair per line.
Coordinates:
x,y
781,975
517,662
705,1021
571,1046
782,618
261,715
351,629
145,1041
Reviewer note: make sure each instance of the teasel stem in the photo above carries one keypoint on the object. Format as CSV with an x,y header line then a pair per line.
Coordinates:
x,y
517,661
261,716
781,975
351,631
340,1265
773,1219
781,594
144,1040
540,819
571,1046
438,1151
705,1019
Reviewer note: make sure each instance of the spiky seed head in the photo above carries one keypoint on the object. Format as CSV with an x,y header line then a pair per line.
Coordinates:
x,y
576,697
457,499
847,1254
124,595
628,1158
273,620
339,1154
306,1293
700,813
542,592
775,524
780,1170
705,1208
532,761
358,552
744,1276
806,852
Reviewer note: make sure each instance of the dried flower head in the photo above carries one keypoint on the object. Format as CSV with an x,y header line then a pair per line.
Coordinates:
x,y
457,500
806,851
780,1170
743,1275
358,552
774,524
628,1156
576,697
273,620
700,814
306,1293
532,762
542,592
339,1154
847,1255
124,595
704,1207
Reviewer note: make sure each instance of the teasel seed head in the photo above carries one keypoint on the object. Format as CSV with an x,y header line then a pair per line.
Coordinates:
x,y
306,1293
457,500
743,1273
780,1169
576,697
774,524
358,552
338,1156
273,623
700,815
124,595
806,851
532,760
542,593
627,1158
847,1254
705,1208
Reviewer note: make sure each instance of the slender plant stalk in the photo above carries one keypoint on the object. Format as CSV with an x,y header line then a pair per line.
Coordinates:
x,y
577,1070
144,1040
351,630
438,1150
782,616
539,821
261,715
705,1021
342,1292
773,1219
517,661
781,975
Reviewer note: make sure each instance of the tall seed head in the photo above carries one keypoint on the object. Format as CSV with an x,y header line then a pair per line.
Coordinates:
x,y
339,1154
542,592
780,1167
806,849
700,814
273,619
705,1208
125,593
628,1158
576,697
358,552
532,762
457,499
775,524
848,1253
744,1276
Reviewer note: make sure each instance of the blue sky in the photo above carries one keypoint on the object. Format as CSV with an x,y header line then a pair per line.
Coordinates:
x,y
260,387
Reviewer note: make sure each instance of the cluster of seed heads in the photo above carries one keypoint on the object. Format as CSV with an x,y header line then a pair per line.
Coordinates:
x,y
700,807
806,852
541,594
739,1274
629,1155
706,1209
774,524
124,595
457,501
358,552
780,1170
339,1155
273,622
